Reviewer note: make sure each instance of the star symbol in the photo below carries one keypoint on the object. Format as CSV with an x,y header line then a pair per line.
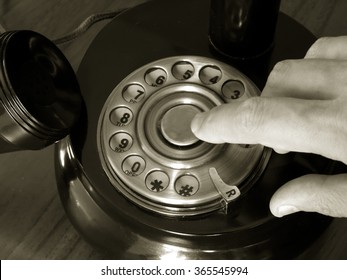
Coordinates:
x,y
157,185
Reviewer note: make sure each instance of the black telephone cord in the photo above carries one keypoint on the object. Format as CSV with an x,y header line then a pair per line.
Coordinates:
x,y
82,28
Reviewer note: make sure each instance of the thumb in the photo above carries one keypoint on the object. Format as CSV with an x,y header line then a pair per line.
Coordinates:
x,y
325,194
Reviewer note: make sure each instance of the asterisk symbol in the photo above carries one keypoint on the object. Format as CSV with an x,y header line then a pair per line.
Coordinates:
x,y
186,190
157,185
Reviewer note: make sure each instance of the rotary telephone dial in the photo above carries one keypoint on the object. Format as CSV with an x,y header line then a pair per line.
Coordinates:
x,y
132,177
148,150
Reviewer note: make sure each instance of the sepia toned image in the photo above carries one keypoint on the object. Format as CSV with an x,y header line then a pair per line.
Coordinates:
x,y
186,130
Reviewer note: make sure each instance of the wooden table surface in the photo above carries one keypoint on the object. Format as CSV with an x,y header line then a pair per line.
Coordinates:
x,y
33,224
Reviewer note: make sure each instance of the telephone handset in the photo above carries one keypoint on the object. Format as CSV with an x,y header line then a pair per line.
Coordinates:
x,y
132,177
40,98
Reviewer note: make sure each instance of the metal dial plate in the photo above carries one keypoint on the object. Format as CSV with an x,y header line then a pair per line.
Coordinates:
x,y
148,151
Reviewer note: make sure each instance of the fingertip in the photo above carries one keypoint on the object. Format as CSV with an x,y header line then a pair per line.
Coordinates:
x,y
289,198
280,151
324,194
207,126
197,122
283,210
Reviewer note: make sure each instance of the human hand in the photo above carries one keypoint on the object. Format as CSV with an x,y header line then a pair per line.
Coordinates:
x,y
303,108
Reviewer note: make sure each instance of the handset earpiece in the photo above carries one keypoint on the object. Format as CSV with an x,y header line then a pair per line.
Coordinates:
x,y
39,93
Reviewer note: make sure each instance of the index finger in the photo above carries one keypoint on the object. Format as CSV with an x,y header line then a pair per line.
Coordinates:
x,y
290,124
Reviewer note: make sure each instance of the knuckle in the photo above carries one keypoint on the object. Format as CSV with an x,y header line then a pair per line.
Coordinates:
x,y
316,48
331,116
251,115
339,127
338,74
279,72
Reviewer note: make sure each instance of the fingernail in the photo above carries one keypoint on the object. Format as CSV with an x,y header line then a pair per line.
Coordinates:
x,y
286,210
197,122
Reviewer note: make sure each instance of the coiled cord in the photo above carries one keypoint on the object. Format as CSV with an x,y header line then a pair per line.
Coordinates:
x,y
82,28
85,25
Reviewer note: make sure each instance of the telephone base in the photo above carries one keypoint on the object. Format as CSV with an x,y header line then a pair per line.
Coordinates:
x,y
107,219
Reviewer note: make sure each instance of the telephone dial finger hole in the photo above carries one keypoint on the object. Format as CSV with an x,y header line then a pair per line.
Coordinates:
x,y
133,165
121,116
157,181
210,75
233,89
121,142
187,185
183,70
156,77
133,93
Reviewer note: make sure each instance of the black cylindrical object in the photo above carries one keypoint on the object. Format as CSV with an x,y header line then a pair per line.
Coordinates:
x,y
243,28
39,94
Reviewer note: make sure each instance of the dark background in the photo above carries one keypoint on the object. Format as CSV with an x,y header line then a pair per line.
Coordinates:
x,y
33,224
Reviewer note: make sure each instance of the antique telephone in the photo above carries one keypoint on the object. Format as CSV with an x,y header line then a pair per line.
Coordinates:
x,y
132,177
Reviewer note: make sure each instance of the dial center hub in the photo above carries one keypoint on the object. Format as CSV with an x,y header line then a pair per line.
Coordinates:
x,y
175,125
